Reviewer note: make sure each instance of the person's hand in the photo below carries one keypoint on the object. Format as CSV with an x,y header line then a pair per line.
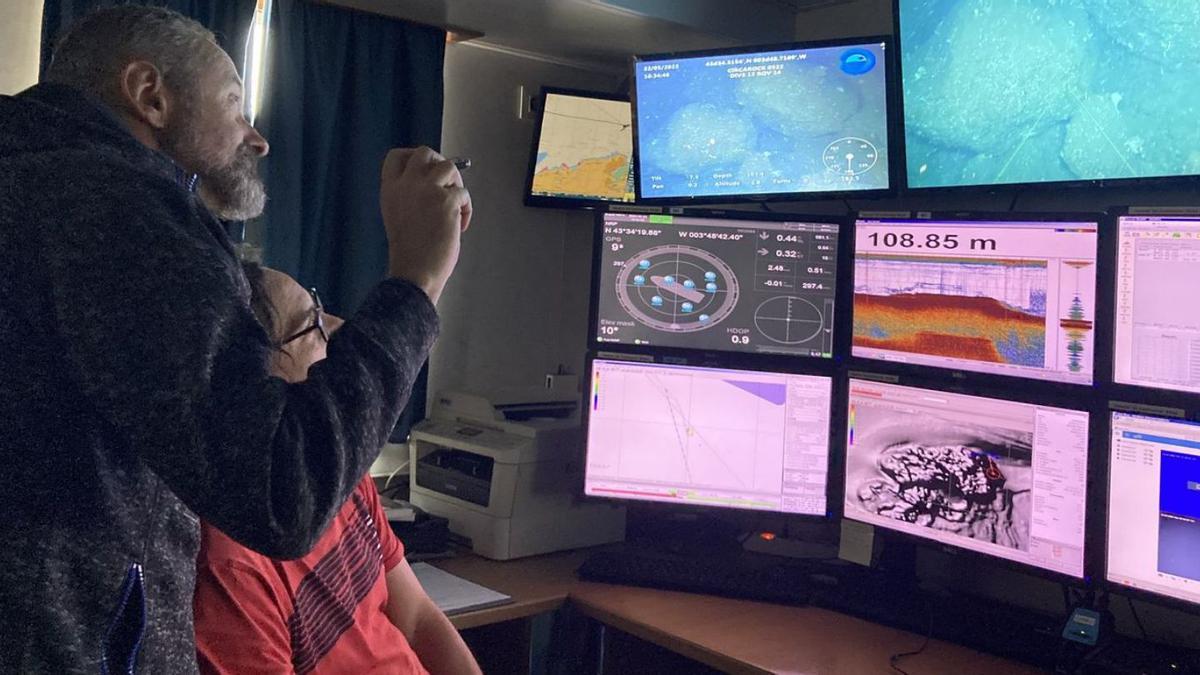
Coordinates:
x,y
425,211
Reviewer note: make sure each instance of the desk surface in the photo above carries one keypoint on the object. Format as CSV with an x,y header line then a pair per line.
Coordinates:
x,y
537,585
736,636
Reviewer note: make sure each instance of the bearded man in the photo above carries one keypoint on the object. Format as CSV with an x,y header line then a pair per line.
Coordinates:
x,y
135,390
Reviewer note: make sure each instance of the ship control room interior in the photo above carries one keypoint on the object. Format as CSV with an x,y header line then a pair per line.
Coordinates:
x,y
788,336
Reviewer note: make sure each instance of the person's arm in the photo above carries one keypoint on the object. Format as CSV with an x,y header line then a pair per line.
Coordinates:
x,y
434,640
156,328
432,636
239,628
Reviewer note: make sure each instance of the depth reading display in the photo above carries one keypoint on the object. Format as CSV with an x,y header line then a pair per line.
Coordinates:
x,y
932,240
775,122
1009,298
718,284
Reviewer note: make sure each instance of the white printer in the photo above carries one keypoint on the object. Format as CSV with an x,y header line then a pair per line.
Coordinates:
x,y
506,470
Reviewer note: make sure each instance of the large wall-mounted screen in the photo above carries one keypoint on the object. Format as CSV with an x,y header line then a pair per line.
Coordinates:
x,y
1021,91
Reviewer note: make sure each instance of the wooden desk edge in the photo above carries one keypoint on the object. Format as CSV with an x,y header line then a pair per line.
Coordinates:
x,y
561,586
516,610
657,636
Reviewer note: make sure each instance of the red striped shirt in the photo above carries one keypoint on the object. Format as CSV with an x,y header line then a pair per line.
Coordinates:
x,y
324,613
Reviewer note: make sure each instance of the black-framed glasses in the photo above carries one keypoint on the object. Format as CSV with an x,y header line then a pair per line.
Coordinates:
x,y
318,320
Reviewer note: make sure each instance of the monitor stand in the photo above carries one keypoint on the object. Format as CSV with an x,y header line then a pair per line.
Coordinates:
x,y
688,534
772,543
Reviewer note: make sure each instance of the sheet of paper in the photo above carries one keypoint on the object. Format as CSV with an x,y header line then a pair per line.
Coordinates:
x,y
453,594
858,542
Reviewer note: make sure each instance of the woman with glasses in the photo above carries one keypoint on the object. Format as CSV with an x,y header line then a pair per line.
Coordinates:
x,y
352,605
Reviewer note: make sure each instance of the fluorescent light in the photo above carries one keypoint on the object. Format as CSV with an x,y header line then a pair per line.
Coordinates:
x,y
254,77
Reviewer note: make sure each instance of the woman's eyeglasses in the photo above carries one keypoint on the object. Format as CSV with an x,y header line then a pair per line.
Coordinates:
x,y
318,320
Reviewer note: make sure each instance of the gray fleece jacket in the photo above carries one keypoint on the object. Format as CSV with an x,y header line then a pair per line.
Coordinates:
x,y
135,397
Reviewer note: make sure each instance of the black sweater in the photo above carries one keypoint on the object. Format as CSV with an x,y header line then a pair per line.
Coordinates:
x,y
135,396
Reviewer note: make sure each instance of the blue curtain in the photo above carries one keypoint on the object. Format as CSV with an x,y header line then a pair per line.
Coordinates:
x,y
228,19
343,87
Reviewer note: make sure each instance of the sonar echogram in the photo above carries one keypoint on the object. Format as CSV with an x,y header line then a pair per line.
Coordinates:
x,y
961,479
989,310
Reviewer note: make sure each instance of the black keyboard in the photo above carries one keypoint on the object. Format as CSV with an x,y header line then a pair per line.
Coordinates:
x,y
728,577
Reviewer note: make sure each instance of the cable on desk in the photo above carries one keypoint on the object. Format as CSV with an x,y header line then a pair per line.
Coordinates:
x,y
894,660
1137,618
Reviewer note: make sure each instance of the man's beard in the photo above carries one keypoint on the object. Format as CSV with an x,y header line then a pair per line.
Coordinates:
x,y
231,190
234,191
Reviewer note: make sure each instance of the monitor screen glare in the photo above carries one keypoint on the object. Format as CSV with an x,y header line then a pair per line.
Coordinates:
x,y
1014,91
1157,323
708,437
763,123
1002,478
584,150
1154,506
1006,298
718,284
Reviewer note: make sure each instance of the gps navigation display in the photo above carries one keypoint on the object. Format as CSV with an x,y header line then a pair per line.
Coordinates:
x,y
761,286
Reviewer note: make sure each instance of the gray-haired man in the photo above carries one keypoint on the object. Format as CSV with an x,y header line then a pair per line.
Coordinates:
x,y
135,392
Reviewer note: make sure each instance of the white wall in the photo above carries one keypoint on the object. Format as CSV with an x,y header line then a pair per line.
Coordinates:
x,y
20,40
849,19
517,305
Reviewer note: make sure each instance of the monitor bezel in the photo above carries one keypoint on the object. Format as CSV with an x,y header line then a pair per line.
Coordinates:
x,y
1090,548
841,320
543,201
1190,415
1082,184
1101,351
1159,396
893,132
833,458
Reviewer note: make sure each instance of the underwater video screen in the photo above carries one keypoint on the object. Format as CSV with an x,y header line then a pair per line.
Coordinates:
x,y
1032,91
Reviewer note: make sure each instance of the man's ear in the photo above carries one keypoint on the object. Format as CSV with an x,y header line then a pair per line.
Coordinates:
x,y
145,94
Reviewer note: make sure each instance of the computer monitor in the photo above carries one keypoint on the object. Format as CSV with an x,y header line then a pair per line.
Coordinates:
x,y
1157,333
1003,297
686,435
729,282
1020,92
801,120
1154,506
582,152
1003,478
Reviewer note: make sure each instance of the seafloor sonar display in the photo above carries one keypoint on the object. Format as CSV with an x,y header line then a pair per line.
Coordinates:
x,y
982,309
1024,91
963,479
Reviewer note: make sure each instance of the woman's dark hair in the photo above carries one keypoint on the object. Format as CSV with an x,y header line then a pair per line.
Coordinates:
x,y
260,304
